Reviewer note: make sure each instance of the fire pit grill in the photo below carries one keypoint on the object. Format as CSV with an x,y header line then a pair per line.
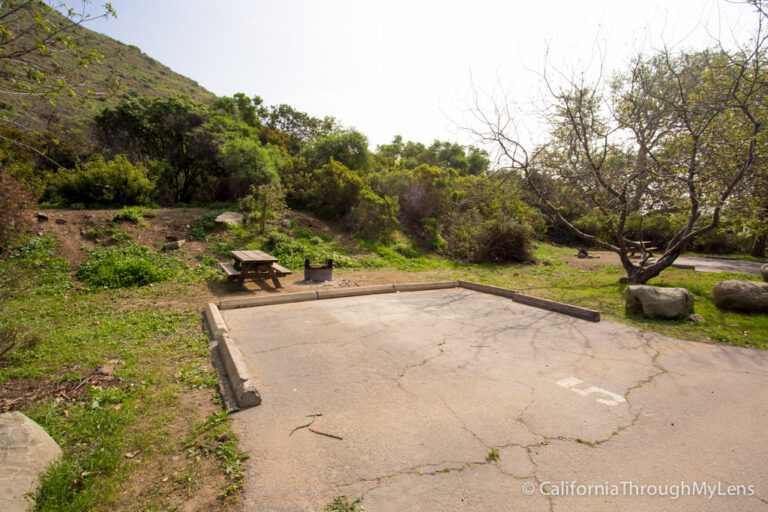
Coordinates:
x,y
318,271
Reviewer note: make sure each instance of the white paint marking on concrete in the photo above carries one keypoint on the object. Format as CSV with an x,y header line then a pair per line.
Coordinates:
x,y
571,383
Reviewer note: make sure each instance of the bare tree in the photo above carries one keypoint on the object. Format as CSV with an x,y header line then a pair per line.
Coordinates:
x,y
674,134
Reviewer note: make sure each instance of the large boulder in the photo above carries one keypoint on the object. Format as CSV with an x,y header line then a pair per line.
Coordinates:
x,y
747,296
764,271
25,451
230,219
655,302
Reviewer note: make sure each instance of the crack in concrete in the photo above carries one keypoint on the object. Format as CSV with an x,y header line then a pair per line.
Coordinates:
x,y
448,467
422,363
464,425
546,440
340,343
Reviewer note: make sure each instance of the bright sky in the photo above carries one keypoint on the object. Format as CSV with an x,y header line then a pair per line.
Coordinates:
x,y
402,66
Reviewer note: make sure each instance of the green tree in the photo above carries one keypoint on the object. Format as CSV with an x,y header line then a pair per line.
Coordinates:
x,y
266,200
299,126
247,163
335,190
163,129
349,147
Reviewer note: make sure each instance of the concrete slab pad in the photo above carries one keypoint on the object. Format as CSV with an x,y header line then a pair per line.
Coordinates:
x,y
399,398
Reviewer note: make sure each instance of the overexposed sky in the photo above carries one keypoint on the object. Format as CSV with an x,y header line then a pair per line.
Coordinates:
x,y
404,66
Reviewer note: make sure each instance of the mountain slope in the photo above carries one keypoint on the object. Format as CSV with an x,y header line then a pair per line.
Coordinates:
x,y
124,72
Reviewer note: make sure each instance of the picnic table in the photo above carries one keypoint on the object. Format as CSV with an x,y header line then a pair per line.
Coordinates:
x,y
254,265
647,247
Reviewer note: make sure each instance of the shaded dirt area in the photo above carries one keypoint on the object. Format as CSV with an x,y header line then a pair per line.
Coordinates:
x,y
595,261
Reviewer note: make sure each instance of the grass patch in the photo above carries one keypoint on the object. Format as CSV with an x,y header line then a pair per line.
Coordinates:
x,y
134,214
493,455
203,225
600,289
113,434
127,266
342,504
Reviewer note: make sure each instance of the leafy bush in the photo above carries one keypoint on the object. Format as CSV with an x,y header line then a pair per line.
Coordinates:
x,y
334,190
487,221
292,252
133,214
433,238
655,228
203,224
114,183
374,217
121,237
494,240
127,266
726,239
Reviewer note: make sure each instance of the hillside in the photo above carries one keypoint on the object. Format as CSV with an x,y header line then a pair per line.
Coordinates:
x,y
124,72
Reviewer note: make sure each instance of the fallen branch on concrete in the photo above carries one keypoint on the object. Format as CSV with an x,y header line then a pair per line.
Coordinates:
x,y
326,435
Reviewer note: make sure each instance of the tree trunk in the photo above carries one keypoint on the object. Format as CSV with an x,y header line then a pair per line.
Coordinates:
x,y
640,275
758,246
263,219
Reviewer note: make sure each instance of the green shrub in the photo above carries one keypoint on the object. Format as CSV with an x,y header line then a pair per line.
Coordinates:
x,y
334,190
292,252
203,224
127,266
374,217
114,183
725,239
121,237
471,237
133,214
432,234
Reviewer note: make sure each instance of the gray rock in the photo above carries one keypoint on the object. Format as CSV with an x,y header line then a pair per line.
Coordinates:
x,y
230,218
655,302
738,295
171,246
286,223
61,221
41,217
25,451
764,271
697,319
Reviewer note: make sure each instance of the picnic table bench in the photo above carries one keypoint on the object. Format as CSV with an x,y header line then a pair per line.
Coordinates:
x,y
647,247
254,265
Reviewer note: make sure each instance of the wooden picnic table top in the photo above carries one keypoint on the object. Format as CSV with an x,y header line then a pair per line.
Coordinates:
x,y
253,257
